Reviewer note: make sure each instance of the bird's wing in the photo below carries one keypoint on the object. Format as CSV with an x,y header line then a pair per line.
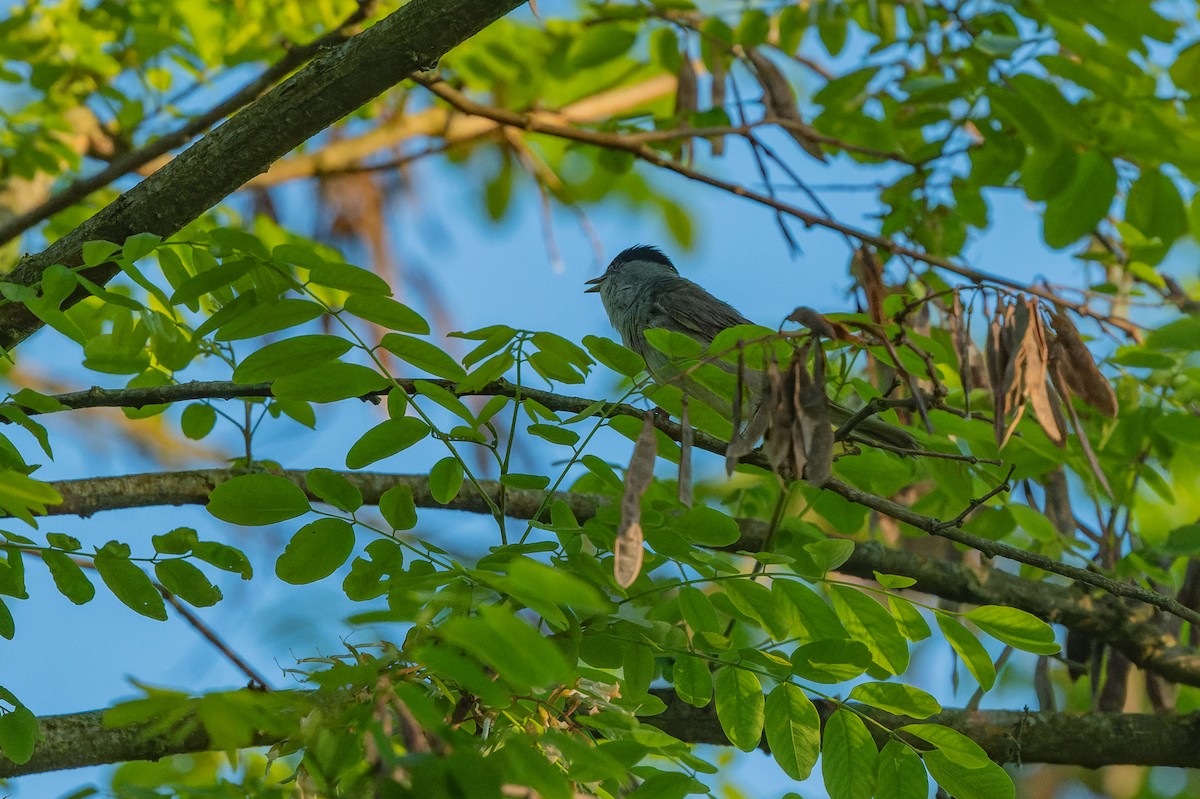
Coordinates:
x,y
687,308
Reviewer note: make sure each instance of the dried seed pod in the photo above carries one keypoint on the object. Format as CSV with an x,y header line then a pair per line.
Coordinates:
x,y
781,103
1079,368
628,551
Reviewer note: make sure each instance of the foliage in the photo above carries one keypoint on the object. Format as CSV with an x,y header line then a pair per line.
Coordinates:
x,y
763,606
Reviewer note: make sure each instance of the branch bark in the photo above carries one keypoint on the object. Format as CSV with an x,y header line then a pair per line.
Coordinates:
x,y
75,740
333,85
1127,627
1091,740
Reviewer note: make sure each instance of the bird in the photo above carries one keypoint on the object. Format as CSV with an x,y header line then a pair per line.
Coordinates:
x,y
642,290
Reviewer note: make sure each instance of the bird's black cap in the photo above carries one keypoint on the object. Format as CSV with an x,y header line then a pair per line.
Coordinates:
x,y
642,252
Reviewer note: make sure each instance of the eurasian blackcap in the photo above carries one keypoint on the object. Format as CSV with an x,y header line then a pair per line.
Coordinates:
x,y
642,290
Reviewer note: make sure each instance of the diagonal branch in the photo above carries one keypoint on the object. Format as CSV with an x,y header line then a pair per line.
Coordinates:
x,y
337,82
1132,629
132,161
638,148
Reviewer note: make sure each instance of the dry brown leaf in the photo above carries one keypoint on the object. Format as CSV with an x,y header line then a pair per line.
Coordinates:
x,y
1043,686
1060,385
780,102
815,425
1045,403
960,334
627,551
869,272
687,93
1080,370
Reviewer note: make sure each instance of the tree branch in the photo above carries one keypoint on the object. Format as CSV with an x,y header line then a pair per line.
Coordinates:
x,y
638,148
334,84
1131,629
132,161
1091,740
75,740
928,524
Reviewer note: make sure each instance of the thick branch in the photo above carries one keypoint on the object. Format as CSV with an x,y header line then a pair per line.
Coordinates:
x,y
1008,736
1131,629
132,161
333,85
76,740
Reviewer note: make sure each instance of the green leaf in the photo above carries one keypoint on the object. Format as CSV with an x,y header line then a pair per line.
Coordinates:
x,y
68,576
334,489
793,730
693,681
256,499
1078,208
597,44
224,557
740,707
970,650
867,621
903,700
386,312
813,614
620,359
1182,334
19,733
384,440
1155,208
210,280
345,277
316,551
698,610
1015,628
423,355
397,507
197,420
848,756
951,743
528,578
98,252
130,585
901,773
515,650
21,494
445,479
554,434
989,781
288,357
832,660
708,527
187,582
330,382
524,482
447,400
554,367
270,317
8,626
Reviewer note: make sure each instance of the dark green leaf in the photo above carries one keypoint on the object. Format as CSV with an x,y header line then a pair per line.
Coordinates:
x,y
848,756
68,576
989,781
397,507
334,489
1016,628
964,642
255,499
423,355
130,585
330,382
269,317
693,681
901,773
620,359
384,440
386,312
445,479
19,734
345,277
793,730
514,649
1078,208
1155,208
197,420
740,707
187,582
867,621
289,357
316,551
224,557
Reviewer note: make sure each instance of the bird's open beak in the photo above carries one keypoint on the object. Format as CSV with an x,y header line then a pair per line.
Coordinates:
x,y
595,284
